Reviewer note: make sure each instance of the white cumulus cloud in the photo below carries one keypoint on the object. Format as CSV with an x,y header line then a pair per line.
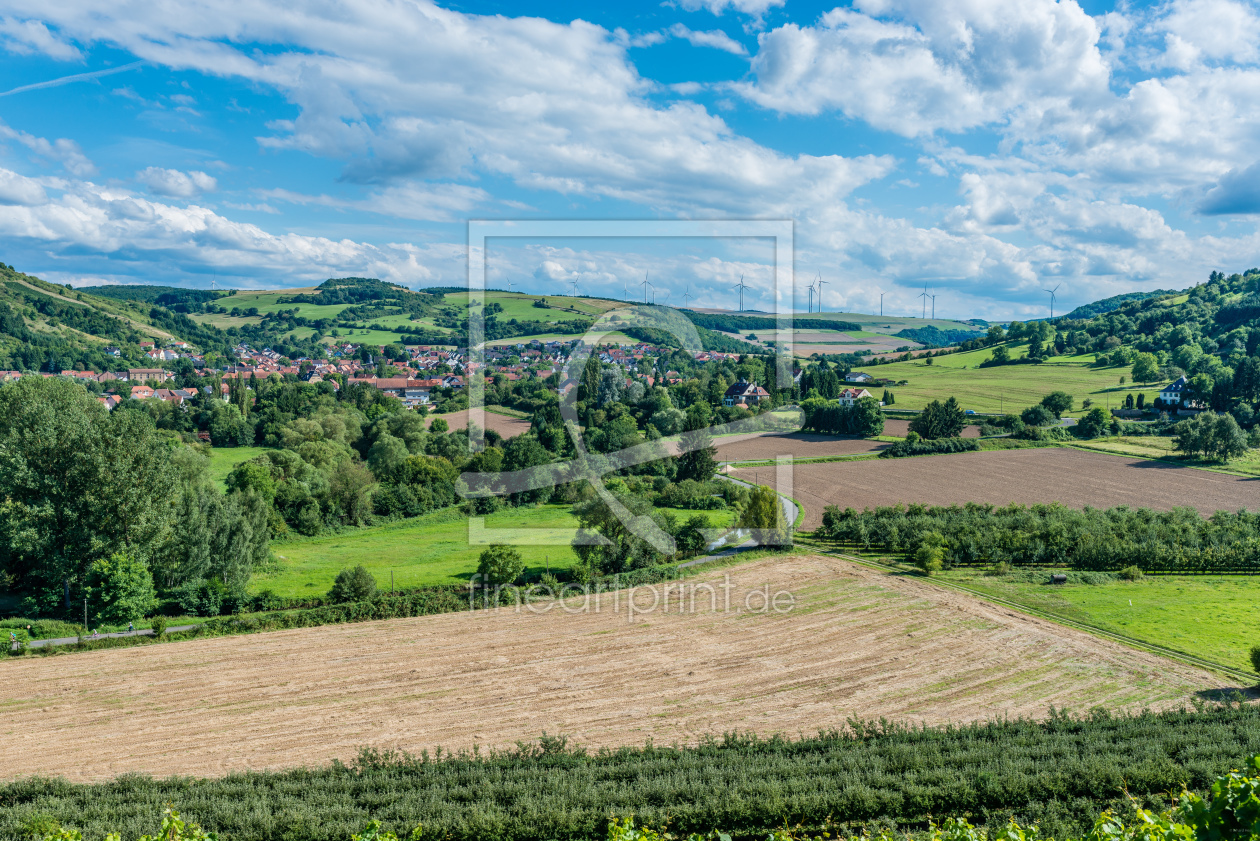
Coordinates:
x,y
174,183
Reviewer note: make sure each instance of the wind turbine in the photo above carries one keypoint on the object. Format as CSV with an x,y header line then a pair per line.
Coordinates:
x,y
625,290
820,286
924,296
509,286
933,306
810,306
687,296
741,286
646,284
881,304
1052,291
575,289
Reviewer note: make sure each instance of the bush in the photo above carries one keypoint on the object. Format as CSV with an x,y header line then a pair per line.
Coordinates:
x,y
159,625
500,565
353,585
120,589
999,569
906,448
1255,657
1131,573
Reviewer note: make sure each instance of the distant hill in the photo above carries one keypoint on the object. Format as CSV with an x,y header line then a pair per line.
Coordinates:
x,y
1113,303
933,336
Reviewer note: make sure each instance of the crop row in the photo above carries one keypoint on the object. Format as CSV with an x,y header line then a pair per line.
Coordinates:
x,y
1060,772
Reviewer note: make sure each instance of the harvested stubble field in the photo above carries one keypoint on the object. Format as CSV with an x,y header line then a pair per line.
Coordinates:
x,y
858,643
1053,474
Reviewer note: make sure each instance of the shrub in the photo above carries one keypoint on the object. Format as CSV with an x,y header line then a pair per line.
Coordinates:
x,y
500,565
906,448
1131,573
999,569
1255,657
120,589
159,625
353,585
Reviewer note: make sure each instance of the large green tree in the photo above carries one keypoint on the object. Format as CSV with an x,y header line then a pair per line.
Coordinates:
x,y
939,420
78,484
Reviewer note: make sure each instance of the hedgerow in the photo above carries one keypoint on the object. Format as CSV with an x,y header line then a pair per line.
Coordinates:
x,y
930,446
1059,773
1177,541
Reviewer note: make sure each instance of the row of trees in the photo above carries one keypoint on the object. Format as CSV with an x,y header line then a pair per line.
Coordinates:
x,y
1179,541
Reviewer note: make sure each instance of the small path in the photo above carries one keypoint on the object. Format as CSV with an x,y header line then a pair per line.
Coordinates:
x,y
142,632
790,512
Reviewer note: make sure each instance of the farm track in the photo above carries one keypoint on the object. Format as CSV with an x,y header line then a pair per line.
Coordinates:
x,y
1133,642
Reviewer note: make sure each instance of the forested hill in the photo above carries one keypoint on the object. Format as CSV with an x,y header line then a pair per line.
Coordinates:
x,y
47,327
1107,305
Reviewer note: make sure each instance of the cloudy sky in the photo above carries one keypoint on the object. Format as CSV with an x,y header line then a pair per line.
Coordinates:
x,y
988,149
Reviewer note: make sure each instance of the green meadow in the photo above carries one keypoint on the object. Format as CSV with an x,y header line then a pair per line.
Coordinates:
x,y
433,549
1212,616
223,459
1006,388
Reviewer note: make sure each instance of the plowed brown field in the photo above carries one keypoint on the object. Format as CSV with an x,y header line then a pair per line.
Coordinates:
x,y
502,424
795,444
1056,474
857,643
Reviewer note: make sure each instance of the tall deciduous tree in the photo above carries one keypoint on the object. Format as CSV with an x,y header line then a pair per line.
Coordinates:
x,y
77,485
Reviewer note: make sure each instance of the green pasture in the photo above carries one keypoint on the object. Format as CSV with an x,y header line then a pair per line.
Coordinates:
x,y
433,549
1008,388
520,305
223,459
1211,616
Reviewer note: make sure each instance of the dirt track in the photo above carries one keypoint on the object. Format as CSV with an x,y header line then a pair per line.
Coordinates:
x,y
858,643
1073,477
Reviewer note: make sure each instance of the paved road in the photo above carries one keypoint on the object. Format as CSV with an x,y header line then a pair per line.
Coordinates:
x,y
789,512
145,632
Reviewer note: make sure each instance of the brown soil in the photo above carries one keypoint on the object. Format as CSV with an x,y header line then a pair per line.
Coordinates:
x,y
901,428
858,643
502,424
1055,474
795,444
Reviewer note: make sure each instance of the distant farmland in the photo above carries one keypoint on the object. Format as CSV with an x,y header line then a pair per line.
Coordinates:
x,y
1053,474
1005,388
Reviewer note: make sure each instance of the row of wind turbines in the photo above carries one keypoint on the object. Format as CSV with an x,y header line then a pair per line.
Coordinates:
x,y
741,286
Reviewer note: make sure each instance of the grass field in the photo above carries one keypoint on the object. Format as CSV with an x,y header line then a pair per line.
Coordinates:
x,y
1009,388
433,549
223,459
1213,616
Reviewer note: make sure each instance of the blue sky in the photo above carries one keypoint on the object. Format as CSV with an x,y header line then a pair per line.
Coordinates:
x,y
989,149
